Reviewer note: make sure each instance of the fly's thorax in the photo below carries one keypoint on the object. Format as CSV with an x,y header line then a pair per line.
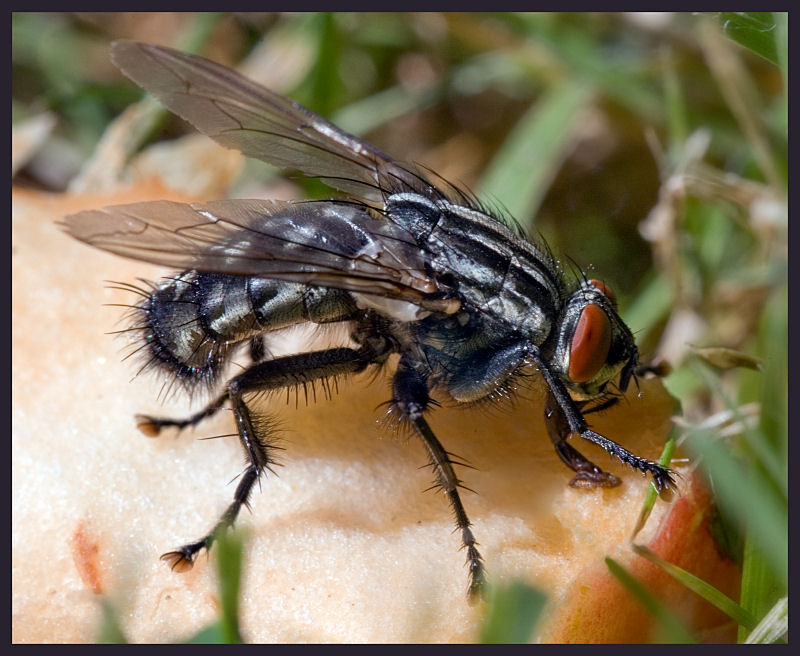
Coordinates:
x,y
593,345
495,272
518,288
417,214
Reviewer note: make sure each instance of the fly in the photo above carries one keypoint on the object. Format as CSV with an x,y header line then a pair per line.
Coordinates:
x,y
411,264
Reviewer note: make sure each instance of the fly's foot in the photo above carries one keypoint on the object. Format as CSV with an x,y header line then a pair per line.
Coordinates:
x,y
152,426
664,481
594,477
149,426
477,575
663,478
182,560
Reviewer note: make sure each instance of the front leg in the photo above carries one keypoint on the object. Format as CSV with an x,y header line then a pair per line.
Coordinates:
x,y
587,473
662,477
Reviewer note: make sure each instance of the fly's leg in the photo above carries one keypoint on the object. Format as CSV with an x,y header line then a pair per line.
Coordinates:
x,y
587,473
662,477
275,374
410,402
151,426
257,349
257,451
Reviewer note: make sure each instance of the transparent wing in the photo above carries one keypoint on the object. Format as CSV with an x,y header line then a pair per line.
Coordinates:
x,y
243,115
314,242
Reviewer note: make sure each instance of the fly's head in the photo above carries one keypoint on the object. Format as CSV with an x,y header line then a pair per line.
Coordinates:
x,y
594,346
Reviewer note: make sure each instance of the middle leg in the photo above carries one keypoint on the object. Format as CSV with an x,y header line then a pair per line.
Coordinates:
x,y
573,419
410,401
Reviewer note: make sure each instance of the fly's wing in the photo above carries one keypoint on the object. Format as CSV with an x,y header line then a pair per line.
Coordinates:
x,y
243,115
314,242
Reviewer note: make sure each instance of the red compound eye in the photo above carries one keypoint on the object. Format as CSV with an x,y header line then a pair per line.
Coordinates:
x,y
599,284
590,344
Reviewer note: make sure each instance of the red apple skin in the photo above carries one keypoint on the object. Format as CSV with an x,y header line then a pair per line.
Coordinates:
x,y
598,609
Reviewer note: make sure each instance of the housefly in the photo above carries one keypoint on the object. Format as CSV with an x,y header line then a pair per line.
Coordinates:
x,y
412,265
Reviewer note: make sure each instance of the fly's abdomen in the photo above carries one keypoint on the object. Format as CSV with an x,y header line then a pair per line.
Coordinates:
x,y
277,304
193,322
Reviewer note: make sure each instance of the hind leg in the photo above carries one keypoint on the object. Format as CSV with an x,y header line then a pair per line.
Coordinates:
x,y
254,437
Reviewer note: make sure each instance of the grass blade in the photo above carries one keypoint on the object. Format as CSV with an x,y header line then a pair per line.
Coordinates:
x,y
522,170
652,493
514,610
748,497
699,586
774,626
755,30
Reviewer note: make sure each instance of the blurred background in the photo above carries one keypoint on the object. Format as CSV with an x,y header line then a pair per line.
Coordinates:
x,y
648,148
